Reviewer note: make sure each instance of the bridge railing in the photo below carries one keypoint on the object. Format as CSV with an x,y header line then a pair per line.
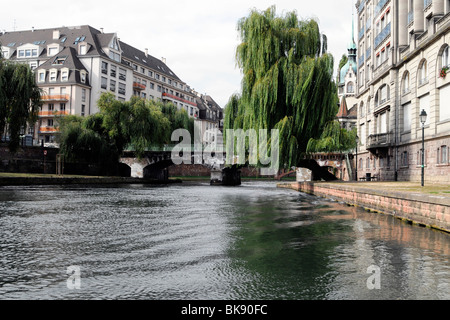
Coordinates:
x,y
170,147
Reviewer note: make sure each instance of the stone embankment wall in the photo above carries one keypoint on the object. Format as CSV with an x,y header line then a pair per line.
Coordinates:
x,y
429,211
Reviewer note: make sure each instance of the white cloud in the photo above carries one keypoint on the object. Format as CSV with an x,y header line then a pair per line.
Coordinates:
x,y
198,37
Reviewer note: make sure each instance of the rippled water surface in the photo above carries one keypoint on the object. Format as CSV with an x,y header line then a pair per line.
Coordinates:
x,y
201,242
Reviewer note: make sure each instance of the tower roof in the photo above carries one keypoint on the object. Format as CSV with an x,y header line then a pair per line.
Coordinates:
x,y
343,109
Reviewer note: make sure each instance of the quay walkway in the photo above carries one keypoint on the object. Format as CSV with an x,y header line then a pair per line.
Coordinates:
x,y
427,206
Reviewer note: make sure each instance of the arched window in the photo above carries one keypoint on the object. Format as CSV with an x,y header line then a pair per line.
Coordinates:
x,y
383,95
350,87
368,106
423,72
405,83
445,57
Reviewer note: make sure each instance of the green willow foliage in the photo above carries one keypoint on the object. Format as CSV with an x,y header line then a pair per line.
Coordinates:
x,y
20,99
136,124
333,139
287,81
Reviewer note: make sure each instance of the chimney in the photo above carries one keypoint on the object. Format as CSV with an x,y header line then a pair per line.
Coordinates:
x,y
32,29
146,52
101,29
163,60
56,34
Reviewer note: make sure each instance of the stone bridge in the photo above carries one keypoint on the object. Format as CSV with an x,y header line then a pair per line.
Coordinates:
x,y
155,164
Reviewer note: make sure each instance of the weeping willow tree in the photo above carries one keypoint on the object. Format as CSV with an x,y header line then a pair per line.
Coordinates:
x,y
20,99
287,81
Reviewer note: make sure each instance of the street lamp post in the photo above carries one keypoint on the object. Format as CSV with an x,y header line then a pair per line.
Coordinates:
x,y
423,119
356,168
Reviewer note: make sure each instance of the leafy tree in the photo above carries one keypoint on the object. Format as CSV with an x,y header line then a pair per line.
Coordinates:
x,y
20,99
333,139
287,81
136,124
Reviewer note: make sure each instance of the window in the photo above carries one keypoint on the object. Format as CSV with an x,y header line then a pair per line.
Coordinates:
x,y
150,74
114,45
64,75
122,74
362,111
83,77
159,88
404,159
52,51
62,107
405,80
83,109
53,76
113,71
104,84
442,155
445,57
50,123
382,124
444,103
51,107
423,78
112,86
104,67
157,76
152,86
350,87
83,95
122,88
41,76
368,163
407,117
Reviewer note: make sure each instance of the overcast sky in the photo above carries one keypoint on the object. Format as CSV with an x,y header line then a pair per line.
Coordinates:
x,y
197,37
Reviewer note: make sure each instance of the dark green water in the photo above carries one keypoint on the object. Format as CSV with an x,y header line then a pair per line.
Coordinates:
x,y
195,242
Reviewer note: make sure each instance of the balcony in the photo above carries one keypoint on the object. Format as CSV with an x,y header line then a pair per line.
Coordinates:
x,y
379,141
380,6
52,113
138,86
383,35
171,96
48,130
55,98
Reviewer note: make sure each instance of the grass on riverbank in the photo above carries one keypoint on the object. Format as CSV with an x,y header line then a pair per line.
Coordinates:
x,y
442,189
41,175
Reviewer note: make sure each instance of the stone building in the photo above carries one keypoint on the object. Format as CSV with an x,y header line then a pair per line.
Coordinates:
x,y
75,65
403,54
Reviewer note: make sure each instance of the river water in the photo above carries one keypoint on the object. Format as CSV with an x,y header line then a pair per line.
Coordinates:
x,y
197,242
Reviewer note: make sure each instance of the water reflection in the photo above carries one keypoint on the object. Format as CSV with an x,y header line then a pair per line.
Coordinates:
x,y
199,242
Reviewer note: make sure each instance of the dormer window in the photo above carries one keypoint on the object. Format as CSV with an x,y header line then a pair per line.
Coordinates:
x,y
83,49
114,44
41,77
53,74
83,77
59,60
53,51
64,75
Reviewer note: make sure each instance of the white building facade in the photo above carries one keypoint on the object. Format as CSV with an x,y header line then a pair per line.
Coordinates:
x,y
75,65
403,49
